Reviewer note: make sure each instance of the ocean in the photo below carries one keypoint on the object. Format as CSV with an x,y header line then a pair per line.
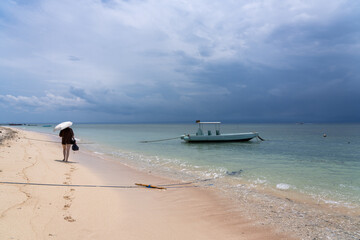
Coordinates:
x,y
294,158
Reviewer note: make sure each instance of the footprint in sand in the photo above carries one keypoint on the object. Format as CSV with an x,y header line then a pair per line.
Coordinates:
x,y
69,219
67,198
66,206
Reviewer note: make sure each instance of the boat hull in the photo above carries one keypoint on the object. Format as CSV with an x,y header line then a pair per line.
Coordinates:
x,y
234,137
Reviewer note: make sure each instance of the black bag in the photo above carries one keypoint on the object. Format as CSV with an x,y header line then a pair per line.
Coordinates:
x,y
75,147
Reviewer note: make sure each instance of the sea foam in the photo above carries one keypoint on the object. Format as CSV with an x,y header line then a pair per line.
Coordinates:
x,y
283,186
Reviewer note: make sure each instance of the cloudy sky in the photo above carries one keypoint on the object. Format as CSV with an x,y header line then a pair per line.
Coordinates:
x,y
179,60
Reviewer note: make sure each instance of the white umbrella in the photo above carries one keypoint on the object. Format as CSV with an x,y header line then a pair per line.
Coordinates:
x,y
62,126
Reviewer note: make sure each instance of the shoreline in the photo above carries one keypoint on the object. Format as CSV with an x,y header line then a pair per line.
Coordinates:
x,y
81,213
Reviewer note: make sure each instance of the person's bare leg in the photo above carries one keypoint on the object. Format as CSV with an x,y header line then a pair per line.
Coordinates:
x,y
64,151
67,152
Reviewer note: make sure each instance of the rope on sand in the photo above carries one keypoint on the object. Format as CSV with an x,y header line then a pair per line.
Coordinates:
x,y
40,140
67,185
137,185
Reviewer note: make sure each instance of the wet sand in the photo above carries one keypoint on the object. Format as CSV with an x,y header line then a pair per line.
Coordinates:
x,y
67,211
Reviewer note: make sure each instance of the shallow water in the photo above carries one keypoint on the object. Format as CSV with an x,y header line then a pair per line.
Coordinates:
x,y
294,157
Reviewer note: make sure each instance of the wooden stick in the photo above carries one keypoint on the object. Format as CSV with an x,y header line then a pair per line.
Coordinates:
x,y
149,186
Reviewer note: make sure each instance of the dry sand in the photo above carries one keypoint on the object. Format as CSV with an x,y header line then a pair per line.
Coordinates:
x,y
70,212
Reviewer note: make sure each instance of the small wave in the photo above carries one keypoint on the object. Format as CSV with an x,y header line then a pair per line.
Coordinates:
x,y
283,186
332,202
260,181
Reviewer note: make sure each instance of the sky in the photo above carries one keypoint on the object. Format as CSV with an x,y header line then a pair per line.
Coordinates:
x,y
148,61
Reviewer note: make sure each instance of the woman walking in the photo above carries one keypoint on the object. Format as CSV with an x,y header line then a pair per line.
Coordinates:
x,y
67,136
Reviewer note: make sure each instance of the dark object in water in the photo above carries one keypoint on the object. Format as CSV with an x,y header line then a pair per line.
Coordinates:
x,y
261,138
234,173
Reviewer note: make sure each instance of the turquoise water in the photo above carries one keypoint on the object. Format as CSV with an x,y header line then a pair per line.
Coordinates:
x,y
293,157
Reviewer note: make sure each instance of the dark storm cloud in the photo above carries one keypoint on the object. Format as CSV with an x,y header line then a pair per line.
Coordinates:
x,y
176,61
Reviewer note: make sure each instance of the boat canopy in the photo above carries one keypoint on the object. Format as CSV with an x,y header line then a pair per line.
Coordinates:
x,y
200,130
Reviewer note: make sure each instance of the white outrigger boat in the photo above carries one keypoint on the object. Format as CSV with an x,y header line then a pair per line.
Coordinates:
x,y
218,136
